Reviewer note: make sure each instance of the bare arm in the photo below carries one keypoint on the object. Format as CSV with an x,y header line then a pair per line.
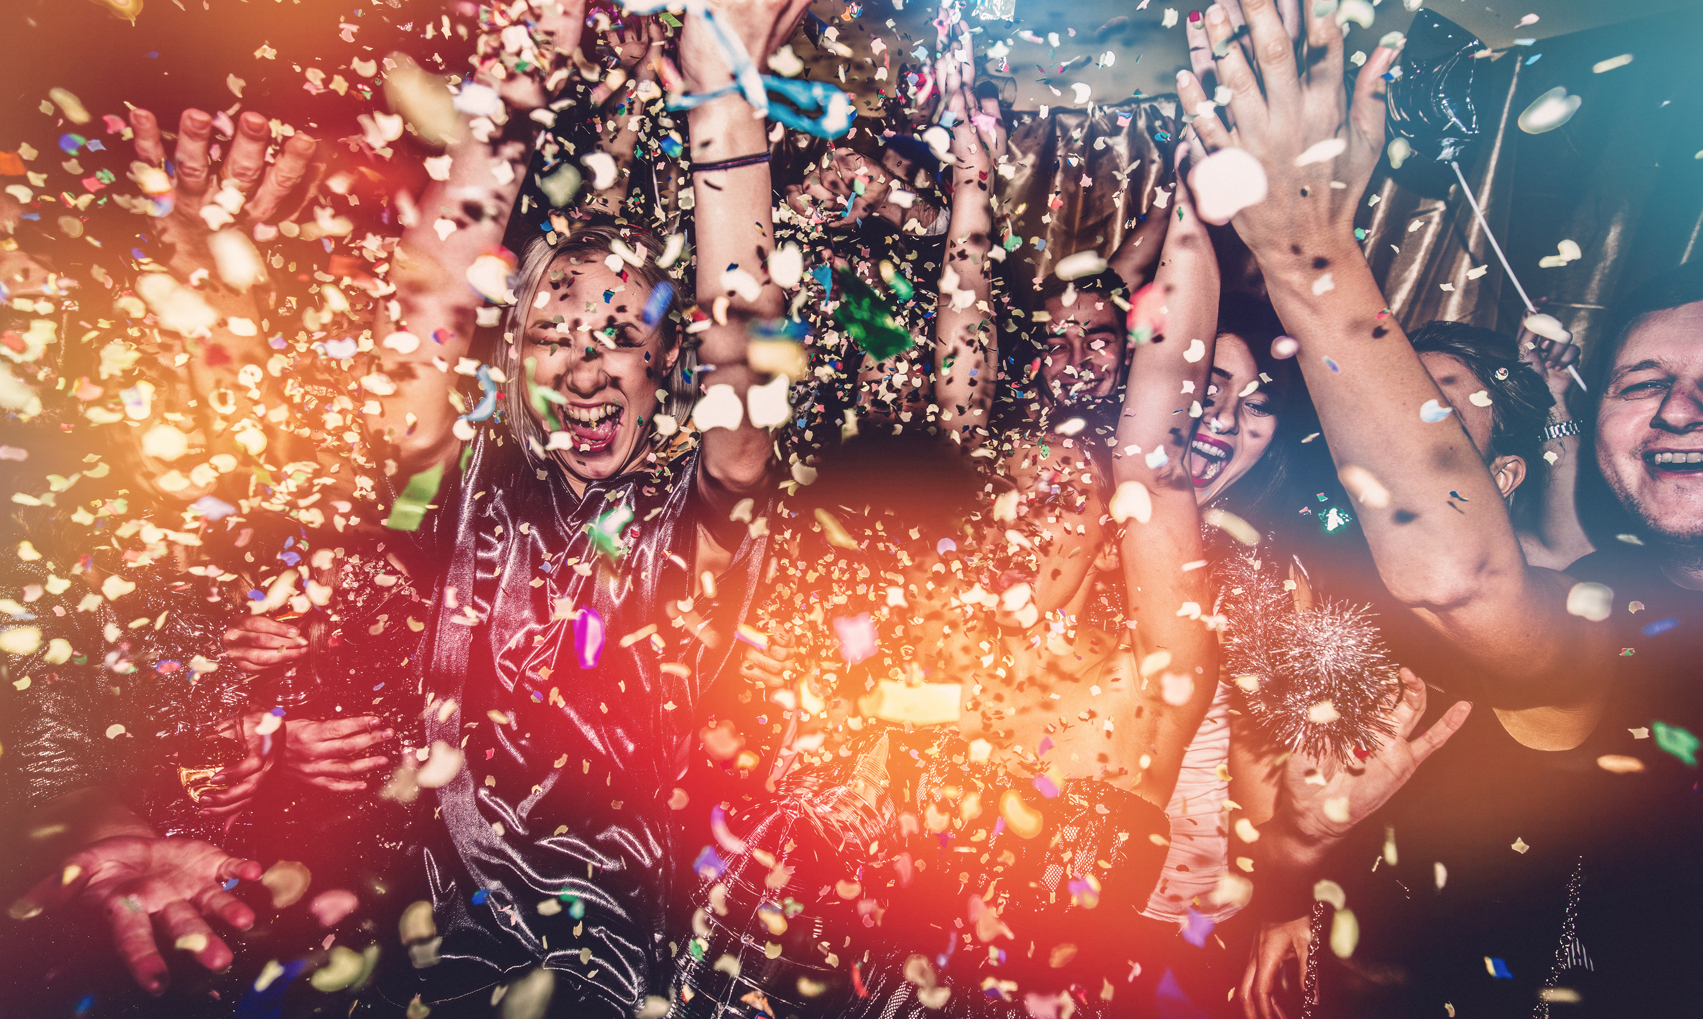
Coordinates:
x,y
966,347
434,305
1560,540
640,48
1438,528
735,231
1161,554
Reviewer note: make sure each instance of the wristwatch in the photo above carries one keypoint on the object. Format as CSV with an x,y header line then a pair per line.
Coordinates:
x,y
1560,429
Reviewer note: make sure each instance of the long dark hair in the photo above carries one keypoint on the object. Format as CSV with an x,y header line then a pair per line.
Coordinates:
x,y
1260,495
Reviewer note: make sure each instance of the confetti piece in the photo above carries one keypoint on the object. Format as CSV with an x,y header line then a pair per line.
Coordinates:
x,y
1364,486
1594,602
409,510
561,186
719,407
1565,251
423,100
1549,111
1132,500
1024,821
1226,182
1195,352
834,531
602,168
1611,63
1285,347
127,10
69,105
20,640
588,637
288,881
867,320
1619,764
768,403
330,907
341,969
1676,741
856,637
1432,412
1480,398
164,442
1321,152
786,266
1546,326
1344,933
441,766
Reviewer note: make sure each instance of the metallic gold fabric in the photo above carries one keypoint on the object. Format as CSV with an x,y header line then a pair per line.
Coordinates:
x,y
1083,159
1418,242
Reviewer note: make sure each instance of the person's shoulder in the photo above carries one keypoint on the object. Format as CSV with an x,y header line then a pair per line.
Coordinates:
x,y
1610,565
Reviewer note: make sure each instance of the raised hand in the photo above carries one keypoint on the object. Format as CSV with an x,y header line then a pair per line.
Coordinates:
x,y
978,129
1322,800
136,881
1551,359
761,26
1282,111
197,201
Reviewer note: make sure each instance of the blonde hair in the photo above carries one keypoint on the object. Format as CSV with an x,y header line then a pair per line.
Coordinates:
x,y
592,244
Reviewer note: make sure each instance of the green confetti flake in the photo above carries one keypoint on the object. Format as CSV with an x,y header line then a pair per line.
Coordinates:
x,y
868,320
409,511
1676,741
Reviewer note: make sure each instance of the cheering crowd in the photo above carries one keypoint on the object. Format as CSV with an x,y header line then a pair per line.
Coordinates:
x,y
696,564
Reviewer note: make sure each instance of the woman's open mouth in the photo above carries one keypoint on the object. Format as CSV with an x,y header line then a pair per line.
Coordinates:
x,y
1207,459
593,426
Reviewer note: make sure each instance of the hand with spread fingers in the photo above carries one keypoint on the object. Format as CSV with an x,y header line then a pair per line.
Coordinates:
x,y
1322,799
1316,146
193,199
151,891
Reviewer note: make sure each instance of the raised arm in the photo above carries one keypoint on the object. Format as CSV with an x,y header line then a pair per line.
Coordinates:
x,y
428,326
639,47
1560,539
734,221
1162,555
1438,527
966,346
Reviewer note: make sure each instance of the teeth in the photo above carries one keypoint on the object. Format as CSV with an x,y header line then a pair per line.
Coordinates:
x,y
592,415
1679,458
1208,449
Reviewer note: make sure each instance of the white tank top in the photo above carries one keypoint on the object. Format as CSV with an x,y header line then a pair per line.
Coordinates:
x,y
1200,838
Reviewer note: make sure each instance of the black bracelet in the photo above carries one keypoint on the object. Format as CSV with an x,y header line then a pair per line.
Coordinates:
x,y
731,164
1560,430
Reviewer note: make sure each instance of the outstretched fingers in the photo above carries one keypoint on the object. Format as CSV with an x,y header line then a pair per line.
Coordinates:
x,y
194,138
149,148
1367,110
1273,48
284,178
189,932
1207,127
1247,102
1440,731
133,936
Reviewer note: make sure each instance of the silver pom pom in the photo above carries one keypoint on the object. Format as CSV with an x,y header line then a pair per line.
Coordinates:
x,y
1319,678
